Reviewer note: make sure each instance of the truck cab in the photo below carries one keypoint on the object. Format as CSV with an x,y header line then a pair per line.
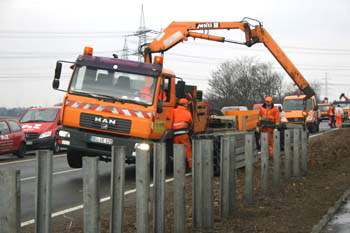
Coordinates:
x,y
112,101
298,110
324,107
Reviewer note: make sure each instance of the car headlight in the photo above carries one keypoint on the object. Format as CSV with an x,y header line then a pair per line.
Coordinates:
x,y
142,146
309,118
45,134
284,119
64,134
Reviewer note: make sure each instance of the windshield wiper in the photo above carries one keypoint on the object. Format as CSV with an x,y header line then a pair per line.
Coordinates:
x,y
33,121
98,96
133,102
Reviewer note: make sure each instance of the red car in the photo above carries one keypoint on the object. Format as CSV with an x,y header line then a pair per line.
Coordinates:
x,y
40,126
12,138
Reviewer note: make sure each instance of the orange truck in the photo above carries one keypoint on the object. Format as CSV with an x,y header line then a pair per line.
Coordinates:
x,y
324,107
104,104
301,111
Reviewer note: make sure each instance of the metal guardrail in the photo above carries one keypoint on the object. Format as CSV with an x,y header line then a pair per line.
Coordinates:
x,y
202,183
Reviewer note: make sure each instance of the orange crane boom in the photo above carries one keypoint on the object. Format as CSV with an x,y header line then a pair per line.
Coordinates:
x,y
180,31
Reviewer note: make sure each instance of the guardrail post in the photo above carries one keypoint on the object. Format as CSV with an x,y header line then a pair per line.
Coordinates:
x,y
142,190
179,189
203,184
249,169
10,201
304,144
117,189
227,176
276,160
91,195
287,153
43,192
264,163
159,210
296,152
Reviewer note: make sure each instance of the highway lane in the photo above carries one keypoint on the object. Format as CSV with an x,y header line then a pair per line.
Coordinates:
x,y
67,183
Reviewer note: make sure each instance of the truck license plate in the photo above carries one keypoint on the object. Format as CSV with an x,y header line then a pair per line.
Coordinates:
x,y
29,143
101,140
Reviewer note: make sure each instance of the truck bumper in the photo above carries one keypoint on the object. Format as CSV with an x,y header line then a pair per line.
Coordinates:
x,y
85,141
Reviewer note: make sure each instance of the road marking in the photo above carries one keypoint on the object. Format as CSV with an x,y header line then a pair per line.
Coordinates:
x,y
22,161
56,173
62,212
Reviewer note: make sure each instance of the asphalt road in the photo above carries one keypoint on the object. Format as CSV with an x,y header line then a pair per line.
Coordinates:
x,y
67,182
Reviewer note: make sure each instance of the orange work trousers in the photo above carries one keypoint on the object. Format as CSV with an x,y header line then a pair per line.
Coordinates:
x,y
269,132
185,139
339,120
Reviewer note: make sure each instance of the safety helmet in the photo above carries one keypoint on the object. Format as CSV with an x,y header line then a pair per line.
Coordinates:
x,y
183,101
268,99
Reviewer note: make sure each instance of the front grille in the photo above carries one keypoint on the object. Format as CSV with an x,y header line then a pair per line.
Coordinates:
x,y
296,119
105,123
31,136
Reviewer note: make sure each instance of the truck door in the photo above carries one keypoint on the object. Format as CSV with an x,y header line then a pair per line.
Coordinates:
x,y
6,140
167,98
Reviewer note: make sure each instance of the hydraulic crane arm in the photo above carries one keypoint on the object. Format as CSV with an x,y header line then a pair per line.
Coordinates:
x,y
180,31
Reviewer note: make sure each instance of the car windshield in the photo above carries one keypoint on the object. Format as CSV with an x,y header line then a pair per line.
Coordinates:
x,y
323,108
39,115
115,86
297,104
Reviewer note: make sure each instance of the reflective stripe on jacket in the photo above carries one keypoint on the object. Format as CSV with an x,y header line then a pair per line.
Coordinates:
x,y
181,120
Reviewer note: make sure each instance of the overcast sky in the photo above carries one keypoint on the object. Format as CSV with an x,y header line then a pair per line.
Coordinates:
x,y
34,34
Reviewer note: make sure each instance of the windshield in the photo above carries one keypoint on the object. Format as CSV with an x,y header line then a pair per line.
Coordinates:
x,y
118,86
323,108
39,115
297,105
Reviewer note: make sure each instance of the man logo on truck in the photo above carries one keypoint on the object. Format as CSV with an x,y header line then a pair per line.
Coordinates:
x,y
105,121
207,25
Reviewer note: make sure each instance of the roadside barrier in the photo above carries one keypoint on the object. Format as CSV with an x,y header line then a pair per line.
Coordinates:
x,y
235,148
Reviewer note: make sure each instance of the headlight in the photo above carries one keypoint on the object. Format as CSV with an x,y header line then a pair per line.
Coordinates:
x,y
284,119
309,118
45,134
63,134
142,146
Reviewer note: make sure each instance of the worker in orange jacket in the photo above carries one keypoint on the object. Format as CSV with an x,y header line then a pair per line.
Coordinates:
x,y
269,117
182,120
331,116
339,113
146,92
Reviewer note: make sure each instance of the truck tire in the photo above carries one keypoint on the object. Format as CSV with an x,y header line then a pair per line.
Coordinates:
x,y
74,159
55,147
21,150
313,128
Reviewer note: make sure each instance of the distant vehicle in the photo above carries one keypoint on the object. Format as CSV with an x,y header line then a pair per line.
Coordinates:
x,y
40,126
233,108
294,112
323,107
345,105
12,138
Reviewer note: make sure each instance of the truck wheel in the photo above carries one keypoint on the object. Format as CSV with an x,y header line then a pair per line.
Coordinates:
x,y
74,159
21,150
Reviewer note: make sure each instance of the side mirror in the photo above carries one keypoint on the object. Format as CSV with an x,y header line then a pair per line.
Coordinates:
x,y
59,122
56,81
180,89
199,96
160,106
58,70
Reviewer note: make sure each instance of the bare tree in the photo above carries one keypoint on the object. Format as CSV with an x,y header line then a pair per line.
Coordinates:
x,y
244,81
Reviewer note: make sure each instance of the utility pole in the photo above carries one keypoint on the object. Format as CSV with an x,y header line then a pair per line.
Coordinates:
x,y
125,50
141,32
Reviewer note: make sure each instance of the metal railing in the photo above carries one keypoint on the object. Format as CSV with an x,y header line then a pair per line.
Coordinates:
x,y
295,158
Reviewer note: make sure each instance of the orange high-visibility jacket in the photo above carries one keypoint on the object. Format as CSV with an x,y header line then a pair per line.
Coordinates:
x,y
270,114
181,120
